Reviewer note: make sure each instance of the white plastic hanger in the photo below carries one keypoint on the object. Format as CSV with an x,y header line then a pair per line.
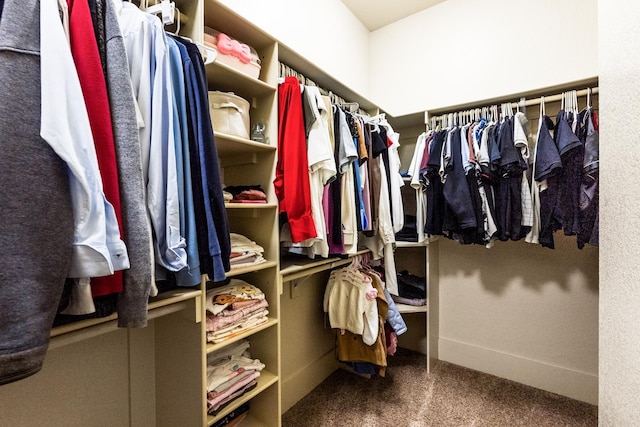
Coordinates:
x,y
166,9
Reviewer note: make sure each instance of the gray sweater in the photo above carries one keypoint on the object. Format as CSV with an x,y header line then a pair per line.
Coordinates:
x,y
36,219
132,302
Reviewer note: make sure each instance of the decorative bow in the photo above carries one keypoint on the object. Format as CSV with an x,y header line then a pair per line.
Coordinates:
x,y
229,46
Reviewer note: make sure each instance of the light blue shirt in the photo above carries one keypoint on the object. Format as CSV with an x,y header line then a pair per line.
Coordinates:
x,y
147,53
190,275
98,248
162,187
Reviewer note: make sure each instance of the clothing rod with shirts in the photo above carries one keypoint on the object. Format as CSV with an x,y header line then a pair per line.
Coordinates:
x,y
527,103
287,71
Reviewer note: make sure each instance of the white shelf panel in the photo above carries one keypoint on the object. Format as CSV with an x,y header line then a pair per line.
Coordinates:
x,y
165,299
408,309
244,270
231,145
232,206
225,78
405,244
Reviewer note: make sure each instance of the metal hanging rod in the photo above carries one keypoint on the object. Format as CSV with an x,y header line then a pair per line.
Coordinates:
x,y
287,71
492,108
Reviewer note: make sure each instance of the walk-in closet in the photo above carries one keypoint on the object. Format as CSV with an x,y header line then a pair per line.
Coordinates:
x,y
298,213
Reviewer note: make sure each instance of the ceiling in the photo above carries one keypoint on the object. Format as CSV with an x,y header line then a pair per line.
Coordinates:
x,y
377,14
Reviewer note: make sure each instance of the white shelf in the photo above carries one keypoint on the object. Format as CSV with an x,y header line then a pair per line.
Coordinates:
x,y
232,206
231,145
405,244
223,77
408,309
109,323
244,270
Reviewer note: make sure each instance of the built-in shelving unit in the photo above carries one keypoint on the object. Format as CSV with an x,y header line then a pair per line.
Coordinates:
x,y
246,162
415,257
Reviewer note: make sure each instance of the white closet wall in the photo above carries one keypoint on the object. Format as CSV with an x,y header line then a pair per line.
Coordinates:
x,y
620,185
525,45
325,33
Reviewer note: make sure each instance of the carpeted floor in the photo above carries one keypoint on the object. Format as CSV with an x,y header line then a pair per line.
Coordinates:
x,y
449,396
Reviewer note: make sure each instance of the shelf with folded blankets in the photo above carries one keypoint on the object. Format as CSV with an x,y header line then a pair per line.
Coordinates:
x,y
241,317
248,166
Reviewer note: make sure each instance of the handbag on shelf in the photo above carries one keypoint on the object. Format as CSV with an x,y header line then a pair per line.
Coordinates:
x,y
229,113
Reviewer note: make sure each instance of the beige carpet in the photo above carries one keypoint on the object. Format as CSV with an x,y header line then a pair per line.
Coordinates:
x,y
449,396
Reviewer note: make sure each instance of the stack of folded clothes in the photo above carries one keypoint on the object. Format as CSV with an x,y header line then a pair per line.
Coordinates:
x,y
234,417
231,372
246,194
244,251
412,290
234,308
409,232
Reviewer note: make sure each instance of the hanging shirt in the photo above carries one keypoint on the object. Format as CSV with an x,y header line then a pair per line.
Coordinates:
x,y
414,172
350,301
214,246
455,189
364,174
212,168
197,179
98,249
434,189
147,52
572,155
347,155
291,183
521,142
322,169
547,167
589,190
190,275
84,49
395,180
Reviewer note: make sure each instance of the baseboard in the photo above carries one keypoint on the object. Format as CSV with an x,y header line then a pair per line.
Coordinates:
x,y
566,382
306,379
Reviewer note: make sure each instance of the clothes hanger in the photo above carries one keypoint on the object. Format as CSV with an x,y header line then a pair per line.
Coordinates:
x,y
166,9
210,53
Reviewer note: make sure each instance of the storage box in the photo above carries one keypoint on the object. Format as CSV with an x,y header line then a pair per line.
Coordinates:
x,y
229,113
233,53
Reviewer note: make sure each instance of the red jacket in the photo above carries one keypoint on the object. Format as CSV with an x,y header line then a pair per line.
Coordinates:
x,y
292,170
